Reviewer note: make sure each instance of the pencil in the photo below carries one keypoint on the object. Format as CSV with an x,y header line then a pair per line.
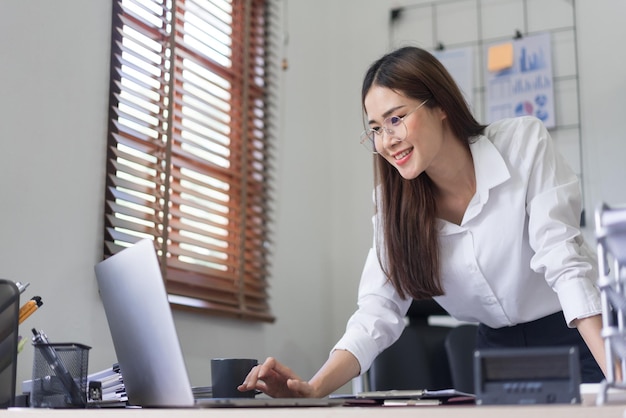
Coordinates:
x,y
29,308
21,342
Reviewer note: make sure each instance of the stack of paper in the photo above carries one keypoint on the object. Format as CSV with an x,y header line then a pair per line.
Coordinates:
x,y
202,392
107,386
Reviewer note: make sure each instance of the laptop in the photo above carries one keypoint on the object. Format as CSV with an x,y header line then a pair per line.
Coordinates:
x,y
145,340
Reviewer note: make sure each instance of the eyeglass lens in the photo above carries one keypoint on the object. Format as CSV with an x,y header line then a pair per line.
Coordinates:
x,y
393,127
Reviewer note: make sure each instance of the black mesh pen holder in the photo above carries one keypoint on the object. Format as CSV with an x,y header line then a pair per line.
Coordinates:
x,y
59,375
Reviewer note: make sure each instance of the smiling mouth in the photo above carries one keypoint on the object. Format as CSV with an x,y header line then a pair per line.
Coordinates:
x,y
402,154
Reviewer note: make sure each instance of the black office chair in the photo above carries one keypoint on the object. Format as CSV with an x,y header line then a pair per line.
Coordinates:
x,y
460,346
420,359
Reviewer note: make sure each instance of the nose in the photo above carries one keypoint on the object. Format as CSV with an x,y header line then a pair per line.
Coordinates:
x,y
389,135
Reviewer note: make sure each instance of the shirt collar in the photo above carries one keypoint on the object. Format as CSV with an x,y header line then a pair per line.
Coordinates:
x,y
489,166
490,170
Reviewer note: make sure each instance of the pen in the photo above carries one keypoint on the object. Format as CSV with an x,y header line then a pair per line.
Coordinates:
x,y
21,286
29,307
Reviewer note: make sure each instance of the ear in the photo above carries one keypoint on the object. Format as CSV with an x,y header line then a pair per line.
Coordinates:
x,y
440,113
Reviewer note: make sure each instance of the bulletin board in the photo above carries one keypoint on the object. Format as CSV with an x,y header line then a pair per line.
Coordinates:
x,y
451,25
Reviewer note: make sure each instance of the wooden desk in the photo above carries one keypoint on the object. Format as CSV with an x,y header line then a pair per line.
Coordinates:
x,y
542,411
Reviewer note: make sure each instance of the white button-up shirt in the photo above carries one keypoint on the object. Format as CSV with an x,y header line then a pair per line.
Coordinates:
x,y
517,256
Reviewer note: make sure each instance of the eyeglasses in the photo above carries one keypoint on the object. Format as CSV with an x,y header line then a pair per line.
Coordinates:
x,y
392,126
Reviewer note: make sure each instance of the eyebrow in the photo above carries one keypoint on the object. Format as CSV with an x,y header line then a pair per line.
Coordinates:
x,y
387,113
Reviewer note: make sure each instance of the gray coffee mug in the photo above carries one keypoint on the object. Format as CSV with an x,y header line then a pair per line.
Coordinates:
x,y
228,373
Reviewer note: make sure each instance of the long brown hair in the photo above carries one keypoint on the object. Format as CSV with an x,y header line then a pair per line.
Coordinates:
x,y
408,208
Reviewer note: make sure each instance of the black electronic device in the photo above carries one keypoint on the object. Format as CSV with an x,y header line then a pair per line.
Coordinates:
x,y
537,375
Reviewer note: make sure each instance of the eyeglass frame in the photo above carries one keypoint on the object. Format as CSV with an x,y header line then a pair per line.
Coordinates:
x,y
371,133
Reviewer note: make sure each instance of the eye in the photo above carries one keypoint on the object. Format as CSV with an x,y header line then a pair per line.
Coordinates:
x,y
394,120
376,130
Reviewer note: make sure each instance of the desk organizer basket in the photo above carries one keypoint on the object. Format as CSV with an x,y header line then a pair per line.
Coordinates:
x,y
59,375
611,240
9,315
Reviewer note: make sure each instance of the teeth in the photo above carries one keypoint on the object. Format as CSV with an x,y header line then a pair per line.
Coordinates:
x,y
402,154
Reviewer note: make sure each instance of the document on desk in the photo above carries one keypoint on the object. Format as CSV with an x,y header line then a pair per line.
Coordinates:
x,y
408,397
411,402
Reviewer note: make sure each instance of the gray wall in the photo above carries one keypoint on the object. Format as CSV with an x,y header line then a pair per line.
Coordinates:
x,y
54,67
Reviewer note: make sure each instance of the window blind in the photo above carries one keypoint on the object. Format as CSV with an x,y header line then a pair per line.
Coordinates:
x,y
189,160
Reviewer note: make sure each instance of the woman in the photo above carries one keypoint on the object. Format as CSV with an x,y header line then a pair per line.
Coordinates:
x,y
484,219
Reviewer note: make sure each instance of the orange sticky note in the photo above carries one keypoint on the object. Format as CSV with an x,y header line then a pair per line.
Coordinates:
x,y
500,57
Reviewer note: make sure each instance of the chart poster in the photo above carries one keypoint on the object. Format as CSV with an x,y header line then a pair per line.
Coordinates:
x,y
518,79
460,64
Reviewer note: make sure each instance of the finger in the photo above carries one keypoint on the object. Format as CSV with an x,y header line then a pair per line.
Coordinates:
x,y
251,379
271,365
254,381
267,365
262,386
259,385
284,370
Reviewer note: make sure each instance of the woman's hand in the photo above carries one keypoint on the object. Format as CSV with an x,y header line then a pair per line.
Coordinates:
x,y
277,380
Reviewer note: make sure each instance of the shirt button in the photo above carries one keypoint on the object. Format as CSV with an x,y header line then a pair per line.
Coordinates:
x,y
472,268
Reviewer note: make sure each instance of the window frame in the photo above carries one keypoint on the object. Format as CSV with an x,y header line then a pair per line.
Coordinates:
x,y
210,223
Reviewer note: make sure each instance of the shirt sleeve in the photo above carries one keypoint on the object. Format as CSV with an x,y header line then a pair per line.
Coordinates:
x,y
554,210
379,319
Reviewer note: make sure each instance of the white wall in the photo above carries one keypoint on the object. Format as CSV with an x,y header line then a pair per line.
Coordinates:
x,y
603,99
54,59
